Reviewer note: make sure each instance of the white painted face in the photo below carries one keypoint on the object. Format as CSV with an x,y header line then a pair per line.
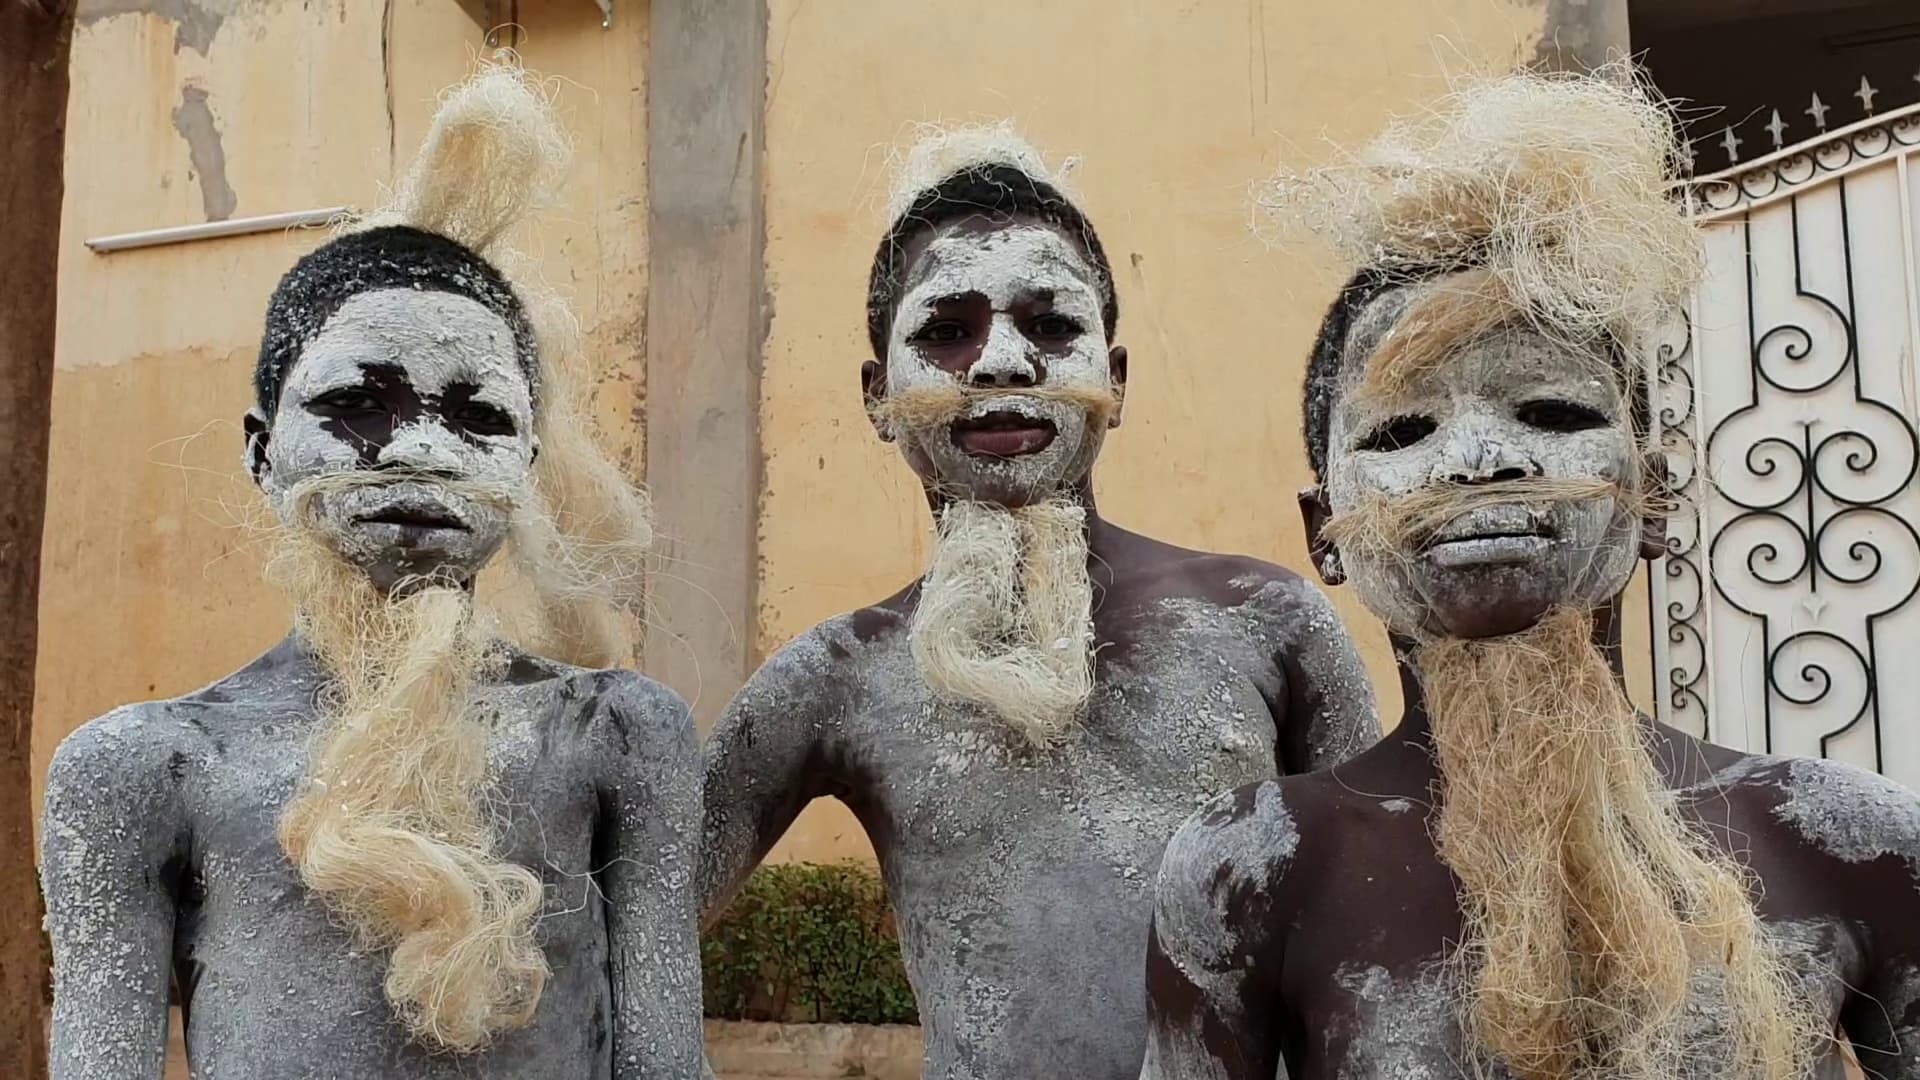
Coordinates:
x,y
989,303
1510,405
426,388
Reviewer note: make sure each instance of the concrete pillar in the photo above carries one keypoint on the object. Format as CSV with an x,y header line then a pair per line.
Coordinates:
x,y
1580,35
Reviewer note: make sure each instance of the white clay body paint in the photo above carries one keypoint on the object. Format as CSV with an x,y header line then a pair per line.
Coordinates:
x,y
1477,404
1008,266
434,342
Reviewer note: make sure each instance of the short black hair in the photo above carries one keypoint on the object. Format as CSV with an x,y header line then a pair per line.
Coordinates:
x,y
390,257
1324,364
990,188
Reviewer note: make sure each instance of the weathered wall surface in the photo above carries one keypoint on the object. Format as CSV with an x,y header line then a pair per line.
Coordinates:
x,y
185,110
1173,109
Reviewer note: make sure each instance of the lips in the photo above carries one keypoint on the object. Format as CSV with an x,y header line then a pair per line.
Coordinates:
x,y
415,516
1004,433
1489,536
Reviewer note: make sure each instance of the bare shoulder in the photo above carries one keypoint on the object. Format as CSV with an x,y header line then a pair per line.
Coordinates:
x,y
819,665
155,739
131,765
627,714
1844,811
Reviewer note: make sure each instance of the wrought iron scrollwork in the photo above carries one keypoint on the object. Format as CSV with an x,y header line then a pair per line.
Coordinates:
x,y
1803,514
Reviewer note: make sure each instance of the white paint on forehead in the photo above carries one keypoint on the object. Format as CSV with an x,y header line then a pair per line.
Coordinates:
x,y
1004,264
436,338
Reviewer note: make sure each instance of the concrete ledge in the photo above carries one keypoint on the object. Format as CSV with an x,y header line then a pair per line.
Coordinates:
x,y
747,1051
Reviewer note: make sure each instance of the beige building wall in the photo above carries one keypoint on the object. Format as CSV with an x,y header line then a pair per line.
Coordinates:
x,y
151,585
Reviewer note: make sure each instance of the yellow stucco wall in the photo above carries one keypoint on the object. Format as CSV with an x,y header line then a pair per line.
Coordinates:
x,y
1173,109
151,585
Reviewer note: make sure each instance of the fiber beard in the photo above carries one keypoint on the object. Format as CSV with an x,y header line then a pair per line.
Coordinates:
x,y
1595,914
390,829
1005,617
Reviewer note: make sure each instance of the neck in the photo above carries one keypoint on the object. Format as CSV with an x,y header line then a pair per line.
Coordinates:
x,y
1080,493
1415,723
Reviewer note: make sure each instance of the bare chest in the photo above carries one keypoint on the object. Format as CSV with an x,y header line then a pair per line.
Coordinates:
x,y
273,985
1182,713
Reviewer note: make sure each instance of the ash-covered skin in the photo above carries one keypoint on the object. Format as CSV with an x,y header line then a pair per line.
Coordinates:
x,y
1014,305
1302,924
1510,406
1022,876
162,865
161,861
425,382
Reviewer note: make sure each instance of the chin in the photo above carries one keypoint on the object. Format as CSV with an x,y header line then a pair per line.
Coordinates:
x,y
388,563
1492,601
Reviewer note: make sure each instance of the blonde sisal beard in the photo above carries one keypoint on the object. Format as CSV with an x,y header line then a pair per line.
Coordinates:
x,y
1593,909
1005,618
389,828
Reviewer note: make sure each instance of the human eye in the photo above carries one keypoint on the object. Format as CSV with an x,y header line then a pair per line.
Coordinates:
x,y
1553,414
344,400
939,332
1397,434
1054,325
483,419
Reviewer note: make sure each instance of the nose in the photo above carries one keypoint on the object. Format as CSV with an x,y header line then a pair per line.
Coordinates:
x,y
423,447
1481,454
1005,360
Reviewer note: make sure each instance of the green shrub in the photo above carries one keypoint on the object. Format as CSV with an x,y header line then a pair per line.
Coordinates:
x,y
804,943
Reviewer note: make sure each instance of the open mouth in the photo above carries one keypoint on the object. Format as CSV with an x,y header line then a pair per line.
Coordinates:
x,y
415,517
1489,536
1003,433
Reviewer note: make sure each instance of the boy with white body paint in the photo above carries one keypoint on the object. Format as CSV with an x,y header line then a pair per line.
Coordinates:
x,y
395,846
1525,880
1020,730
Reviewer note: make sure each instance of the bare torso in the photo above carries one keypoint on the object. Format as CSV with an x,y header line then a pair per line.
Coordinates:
x,y
1022,878
1303,922
163,864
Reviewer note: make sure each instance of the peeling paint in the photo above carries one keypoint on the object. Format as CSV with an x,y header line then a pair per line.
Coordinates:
x,y
195,22
194,121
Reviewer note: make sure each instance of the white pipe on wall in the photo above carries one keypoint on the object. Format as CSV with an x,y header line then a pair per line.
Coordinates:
x,y
208,230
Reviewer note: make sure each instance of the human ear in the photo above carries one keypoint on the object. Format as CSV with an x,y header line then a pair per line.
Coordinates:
x,y
873,388
254,424
1117,375
1314,514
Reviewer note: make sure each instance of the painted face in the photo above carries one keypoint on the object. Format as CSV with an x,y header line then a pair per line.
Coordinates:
x,y
1508,405
993,304
425,386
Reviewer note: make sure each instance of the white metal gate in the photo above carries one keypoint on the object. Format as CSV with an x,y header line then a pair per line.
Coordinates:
x,y
1784,612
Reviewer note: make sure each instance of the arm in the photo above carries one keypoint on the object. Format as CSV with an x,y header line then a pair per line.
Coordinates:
x,y
649,811
1214,955
1882,1016
110,836
1328,710
763,766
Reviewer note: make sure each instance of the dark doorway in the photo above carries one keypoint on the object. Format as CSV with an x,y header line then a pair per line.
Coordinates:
x,y
1753,76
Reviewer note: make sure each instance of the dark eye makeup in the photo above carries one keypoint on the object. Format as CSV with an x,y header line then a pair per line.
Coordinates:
x,y
1552,414
1054,325
346,399
939,332
482,418
1397,434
